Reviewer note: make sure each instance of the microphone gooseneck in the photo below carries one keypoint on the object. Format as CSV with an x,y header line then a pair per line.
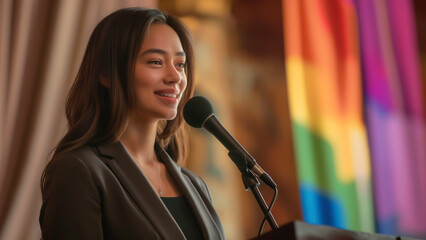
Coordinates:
x,y
198,113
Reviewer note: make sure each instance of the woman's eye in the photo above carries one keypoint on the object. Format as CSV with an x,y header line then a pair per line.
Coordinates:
x,y
156,62
181,65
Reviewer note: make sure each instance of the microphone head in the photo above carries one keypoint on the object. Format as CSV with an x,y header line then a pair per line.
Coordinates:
x,y
196,111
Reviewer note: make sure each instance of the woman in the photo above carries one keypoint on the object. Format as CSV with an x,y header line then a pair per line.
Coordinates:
x,y
115,175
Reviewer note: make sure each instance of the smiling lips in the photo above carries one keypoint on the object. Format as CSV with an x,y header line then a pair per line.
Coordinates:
x,y
169,95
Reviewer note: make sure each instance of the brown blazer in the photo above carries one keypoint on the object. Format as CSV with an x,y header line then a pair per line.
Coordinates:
x,y
98,192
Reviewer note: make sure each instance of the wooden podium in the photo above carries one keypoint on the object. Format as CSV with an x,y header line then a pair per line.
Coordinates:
x,y
298,230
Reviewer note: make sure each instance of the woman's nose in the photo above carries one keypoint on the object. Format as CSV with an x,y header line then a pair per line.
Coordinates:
x,y
173,75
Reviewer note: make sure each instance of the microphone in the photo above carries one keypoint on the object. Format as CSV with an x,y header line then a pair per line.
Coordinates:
x,y
198,113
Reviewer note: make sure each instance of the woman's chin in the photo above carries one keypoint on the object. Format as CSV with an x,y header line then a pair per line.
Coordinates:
x,y
170,116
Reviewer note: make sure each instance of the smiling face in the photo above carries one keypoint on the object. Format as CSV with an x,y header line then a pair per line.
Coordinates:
x,y
160,77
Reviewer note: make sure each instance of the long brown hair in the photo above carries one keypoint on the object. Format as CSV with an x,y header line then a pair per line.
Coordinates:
x,y
97,114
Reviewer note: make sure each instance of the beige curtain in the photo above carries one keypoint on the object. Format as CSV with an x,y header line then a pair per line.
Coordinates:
x,y
41,46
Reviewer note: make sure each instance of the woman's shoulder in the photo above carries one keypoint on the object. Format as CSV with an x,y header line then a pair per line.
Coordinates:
x,y
69,175
80,158
85,151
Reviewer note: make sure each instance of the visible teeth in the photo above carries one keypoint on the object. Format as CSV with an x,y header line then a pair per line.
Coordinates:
x,y
168,95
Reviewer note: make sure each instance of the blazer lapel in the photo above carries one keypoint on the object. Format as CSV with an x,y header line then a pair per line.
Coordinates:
x,y
138,187
206,222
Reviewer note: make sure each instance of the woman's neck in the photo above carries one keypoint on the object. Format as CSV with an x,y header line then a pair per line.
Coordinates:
x,y
139,139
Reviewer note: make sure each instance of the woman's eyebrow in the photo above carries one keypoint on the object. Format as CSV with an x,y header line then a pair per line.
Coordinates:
x,y
162,52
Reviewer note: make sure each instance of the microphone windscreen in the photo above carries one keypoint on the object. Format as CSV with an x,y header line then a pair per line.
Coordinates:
x,y
196,111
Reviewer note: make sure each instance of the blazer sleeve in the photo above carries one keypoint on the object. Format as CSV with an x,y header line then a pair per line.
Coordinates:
x,y
71,202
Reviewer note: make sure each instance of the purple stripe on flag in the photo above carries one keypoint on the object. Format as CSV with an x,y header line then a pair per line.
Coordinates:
x,y
405,46
397,136
377,87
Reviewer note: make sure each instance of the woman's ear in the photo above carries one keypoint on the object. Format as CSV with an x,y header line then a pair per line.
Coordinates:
x,y
105,82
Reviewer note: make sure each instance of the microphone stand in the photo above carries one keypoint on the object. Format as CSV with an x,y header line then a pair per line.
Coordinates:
x,y
250,182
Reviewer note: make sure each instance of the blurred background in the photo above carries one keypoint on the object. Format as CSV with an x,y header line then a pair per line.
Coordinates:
x,y
327,95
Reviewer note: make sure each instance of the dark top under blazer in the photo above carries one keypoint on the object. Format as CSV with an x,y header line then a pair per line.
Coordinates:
x,y
98,192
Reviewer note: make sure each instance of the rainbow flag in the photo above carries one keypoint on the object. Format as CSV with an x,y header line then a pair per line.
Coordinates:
x,y
357,113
